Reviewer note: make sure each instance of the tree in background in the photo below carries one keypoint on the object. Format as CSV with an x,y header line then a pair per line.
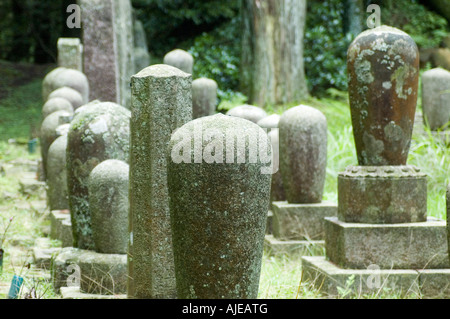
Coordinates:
x,y
272,51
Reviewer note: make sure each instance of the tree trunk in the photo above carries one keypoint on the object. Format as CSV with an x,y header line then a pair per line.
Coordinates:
x,y
354,17
272,70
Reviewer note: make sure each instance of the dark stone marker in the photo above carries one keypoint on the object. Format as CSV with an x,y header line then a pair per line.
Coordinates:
x,y
383,70
218,207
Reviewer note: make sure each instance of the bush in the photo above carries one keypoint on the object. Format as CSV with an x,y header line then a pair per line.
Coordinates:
x,y
217,56
325,46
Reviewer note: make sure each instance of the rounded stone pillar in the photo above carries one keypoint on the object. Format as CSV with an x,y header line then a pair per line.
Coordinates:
x,y
303,153
180,59
383,71
204,97
218,207
61,77
108,202
71,95
56,104
436,98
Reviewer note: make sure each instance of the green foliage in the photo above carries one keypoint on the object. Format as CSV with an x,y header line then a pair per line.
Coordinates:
x,y
426,27
325,46
176,23
217,56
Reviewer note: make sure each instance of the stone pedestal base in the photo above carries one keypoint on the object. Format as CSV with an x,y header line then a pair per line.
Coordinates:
x,y
269,223
300,221
330,279
95,273
273,247
388,246
61,227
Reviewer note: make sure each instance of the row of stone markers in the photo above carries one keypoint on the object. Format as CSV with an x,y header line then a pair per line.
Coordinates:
x,y
382,235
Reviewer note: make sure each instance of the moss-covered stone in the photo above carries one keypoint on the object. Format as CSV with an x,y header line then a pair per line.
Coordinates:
x,y
218,206
98,131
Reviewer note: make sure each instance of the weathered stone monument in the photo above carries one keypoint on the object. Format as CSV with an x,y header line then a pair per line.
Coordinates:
x,y
108,201
70,53
98,131
49,133
248,112
57,195
108,46
218,206
161,103
180,59
382,234
204,97
56,104
298,221
71,95
436,98
63,77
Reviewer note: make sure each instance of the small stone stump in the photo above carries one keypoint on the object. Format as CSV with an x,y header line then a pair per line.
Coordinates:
x,y
56,104
218,206
63,77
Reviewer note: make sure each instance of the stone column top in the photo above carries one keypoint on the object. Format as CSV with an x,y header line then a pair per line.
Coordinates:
x,y
161,70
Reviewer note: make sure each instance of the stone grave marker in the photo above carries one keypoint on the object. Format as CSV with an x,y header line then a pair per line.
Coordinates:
x,y
218,206
161,103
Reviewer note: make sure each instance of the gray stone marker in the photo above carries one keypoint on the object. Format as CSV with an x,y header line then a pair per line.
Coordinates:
x,y
218,207
108,202
436,98
57,195
108,44
204,97
98,131
70,53
49,133
248,112
161,103
303,159
382,228
180,59
71,95
61,77
56,104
